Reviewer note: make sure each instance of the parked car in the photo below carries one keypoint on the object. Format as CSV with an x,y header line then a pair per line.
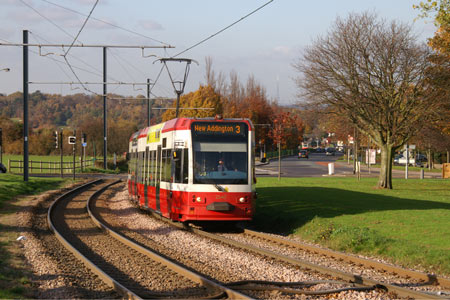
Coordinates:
x,y
330,151
400,159
303,154
421,158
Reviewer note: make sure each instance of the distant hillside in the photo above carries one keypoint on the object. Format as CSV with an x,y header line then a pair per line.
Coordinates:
x,y
53,110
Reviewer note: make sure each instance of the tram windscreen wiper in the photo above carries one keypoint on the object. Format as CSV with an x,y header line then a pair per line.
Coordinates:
x,y
219,188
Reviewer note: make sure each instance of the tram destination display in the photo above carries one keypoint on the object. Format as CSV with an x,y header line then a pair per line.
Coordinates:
x,y
221,129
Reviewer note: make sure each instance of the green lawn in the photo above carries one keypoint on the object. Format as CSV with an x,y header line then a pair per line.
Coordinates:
x,y
409,225
14,282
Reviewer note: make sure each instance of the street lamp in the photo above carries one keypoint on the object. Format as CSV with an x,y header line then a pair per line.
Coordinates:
x,y
5,69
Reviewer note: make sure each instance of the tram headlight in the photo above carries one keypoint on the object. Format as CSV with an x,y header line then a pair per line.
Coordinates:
x,y
243,199
199,199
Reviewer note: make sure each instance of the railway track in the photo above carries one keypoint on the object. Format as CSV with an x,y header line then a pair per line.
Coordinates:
x,y
220,263
132,270
402,282
259,243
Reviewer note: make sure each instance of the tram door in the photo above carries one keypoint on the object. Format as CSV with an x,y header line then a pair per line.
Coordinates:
x,y
146,179
158,177
136,160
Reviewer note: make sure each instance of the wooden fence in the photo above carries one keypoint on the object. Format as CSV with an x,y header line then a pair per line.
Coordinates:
x,y
49,167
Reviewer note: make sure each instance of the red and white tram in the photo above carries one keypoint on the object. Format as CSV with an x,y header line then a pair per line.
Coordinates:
x,y
194,169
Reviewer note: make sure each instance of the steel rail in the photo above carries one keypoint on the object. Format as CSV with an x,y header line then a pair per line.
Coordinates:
x,y
359,280
232,294
428,278
402,292
105,277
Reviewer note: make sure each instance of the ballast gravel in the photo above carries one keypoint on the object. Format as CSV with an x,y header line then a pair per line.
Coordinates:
x,y
215,260
56,273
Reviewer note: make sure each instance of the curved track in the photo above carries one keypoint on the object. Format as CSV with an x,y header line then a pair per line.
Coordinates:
x,y
131,269
285,250
403,282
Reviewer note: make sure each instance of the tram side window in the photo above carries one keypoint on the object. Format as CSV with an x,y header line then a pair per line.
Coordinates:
x,y
136,160
147,164
130,164
166,165
150,168
180,160
185,165
140,166
163,165
154,168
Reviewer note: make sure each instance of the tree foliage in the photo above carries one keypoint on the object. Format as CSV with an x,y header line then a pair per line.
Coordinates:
x,y
372,72
195,104
438,73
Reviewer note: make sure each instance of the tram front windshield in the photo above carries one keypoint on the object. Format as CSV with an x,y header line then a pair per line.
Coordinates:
x,y
221,158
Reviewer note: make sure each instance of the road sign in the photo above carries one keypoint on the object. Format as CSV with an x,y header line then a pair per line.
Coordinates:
x,y
84,144
72,140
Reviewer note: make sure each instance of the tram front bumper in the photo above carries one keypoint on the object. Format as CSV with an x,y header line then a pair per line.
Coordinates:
x,y
220,206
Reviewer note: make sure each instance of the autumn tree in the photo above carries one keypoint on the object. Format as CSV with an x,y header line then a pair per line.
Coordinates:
x,y
438,74
372,72
283,127
204,102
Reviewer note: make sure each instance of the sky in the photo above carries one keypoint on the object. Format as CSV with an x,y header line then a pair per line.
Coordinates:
x,y
263,45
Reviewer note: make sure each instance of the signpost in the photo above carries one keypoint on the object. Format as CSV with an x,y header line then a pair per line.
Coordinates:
x,y
72,141
83,154
61,152
407,147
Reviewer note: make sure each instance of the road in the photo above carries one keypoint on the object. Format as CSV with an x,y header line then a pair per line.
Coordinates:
x,y
317,166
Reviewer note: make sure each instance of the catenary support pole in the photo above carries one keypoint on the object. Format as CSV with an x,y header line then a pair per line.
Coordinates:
x,y
105,145
61,142
178,104
25,105
73,152
149,107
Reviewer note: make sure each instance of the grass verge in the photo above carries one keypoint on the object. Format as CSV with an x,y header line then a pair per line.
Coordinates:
x,y
409,225
14,274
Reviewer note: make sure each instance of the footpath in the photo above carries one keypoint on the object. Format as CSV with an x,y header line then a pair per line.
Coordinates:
x,y
342,168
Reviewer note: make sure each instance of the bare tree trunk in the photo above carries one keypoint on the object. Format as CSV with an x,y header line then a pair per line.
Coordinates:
x,y
385,178
430,159
279,161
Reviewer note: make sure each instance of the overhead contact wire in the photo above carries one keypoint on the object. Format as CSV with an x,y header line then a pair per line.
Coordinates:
x,y
53,23
81,29
222,30
108,23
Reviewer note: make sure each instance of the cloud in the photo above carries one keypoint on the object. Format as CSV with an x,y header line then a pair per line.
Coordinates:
x,y
283,50
32,14
150,25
